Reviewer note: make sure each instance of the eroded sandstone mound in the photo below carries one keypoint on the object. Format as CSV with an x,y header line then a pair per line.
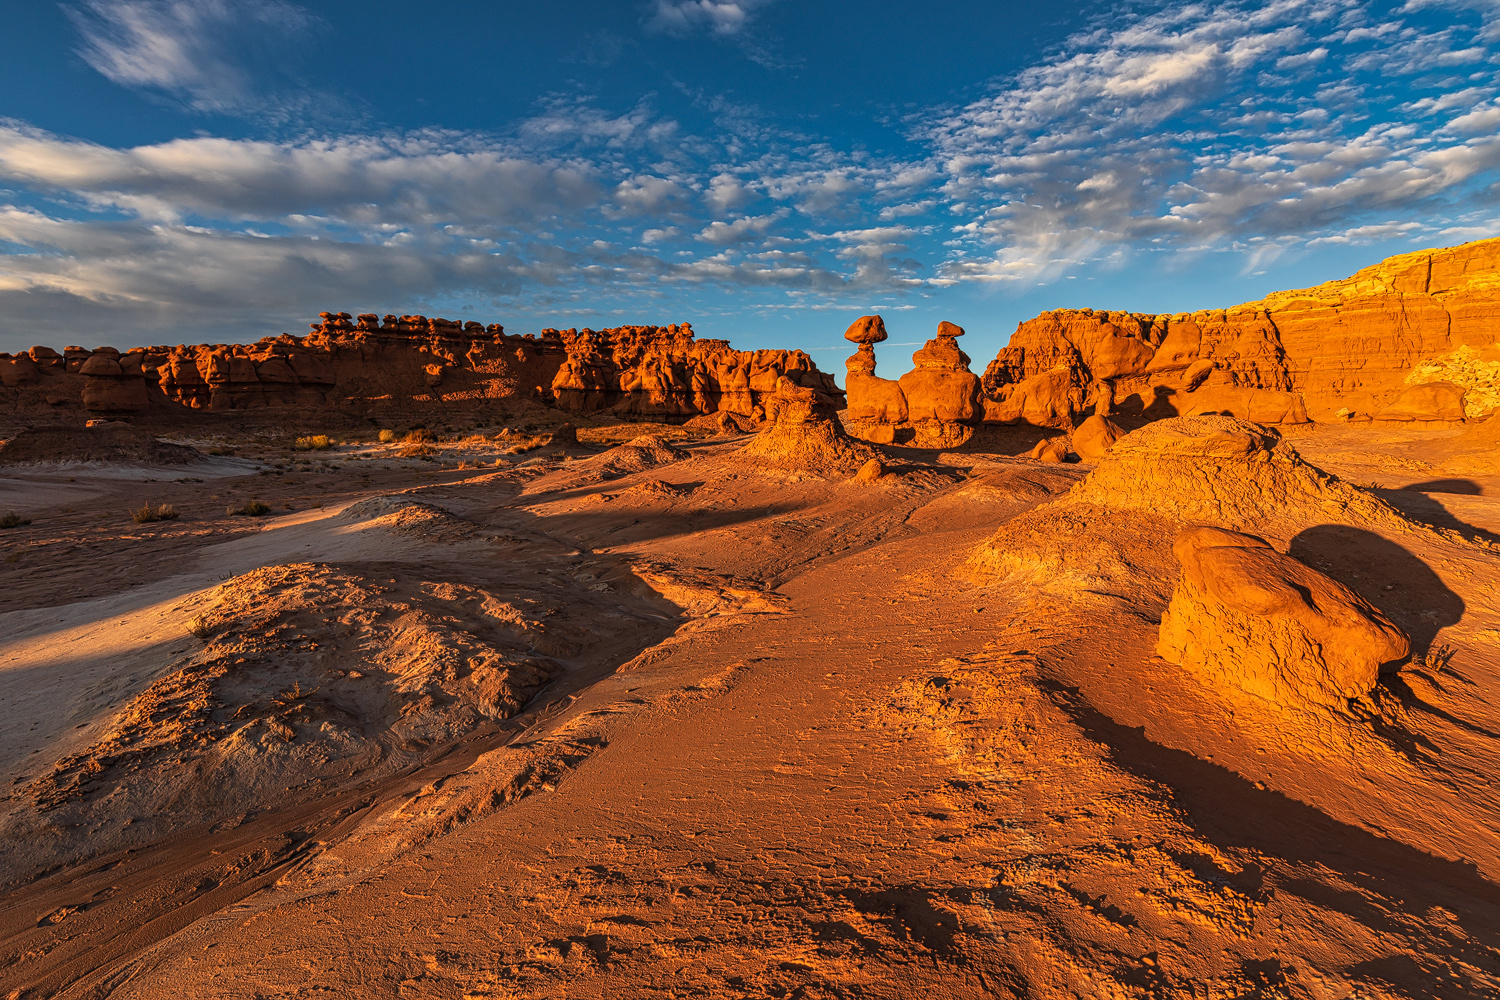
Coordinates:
x,y
1220,470
1246,615
803,432
1411,338
369,362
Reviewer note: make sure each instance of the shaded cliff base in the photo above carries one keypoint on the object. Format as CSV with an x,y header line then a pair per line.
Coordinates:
x,y
651,714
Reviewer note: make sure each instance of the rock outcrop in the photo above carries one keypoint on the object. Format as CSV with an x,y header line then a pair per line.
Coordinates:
x,y
666,372
1247,616
1222,471
1411,338
803,432
372,362
935,405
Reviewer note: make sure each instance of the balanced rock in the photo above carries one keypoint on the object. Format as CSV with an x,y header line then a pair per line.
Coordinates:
x,y
942,395
1247,616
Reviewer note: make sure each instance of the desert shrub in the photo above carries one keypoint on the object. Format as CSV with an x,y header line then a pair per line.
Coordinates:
x,y
252,509
199,627
415,451
13,521
419,435
1436,658
315,442
387,436
154,512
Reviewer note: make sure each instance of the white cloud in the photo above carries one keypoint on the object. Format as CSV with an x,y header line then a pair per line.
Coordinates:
x,y
1201,126
213,55
719,17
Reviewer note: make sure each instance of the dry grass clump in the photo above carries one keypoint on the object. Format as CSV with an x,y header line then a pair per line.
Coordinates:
x,y
13,521
387,436
199,627
154,512
1436,658
252,509
313,442
420,435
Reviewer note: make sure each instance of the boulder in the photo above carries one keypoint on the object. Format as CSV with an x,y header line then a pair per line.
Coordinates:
x,y
1095,436
1429,401
1247,617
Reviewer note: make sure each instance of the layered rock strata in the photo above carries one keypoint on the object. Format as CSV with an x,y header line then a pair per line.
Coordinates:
x,y
1413,338
371,362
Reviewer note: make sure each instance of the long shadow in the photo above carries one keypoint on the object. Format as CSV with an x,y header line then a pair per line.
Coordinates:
x,y
1419,503
1401,586
1393,885
1464,487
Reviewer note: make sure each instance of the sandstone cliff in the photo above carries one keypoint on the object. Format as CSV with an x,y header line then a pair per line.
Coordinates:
x,y
1414,337
370,362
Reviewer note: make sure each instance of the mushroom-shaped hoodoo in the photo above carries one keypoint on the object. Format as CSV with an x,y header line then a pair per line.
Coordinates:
x,y
866,330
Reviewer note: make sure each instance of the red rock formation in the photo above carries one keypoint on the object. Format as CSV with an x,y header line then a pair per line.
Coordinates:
x,y
666,372
413,361
1246,616
937,403
1352,345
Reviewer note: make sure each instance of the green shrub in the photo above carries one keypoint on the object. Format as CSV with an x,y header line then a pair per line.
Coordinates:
x,y
154,512
252,509
13,521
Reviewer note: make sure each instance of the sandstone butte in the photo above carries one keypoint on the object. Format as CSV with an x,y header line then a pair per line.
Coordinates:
x,y
368,362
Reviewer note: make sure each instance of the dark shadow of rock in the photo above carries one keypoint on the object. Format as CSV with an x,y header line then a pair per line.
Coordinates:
x,y
1401,586
1423,506
1466,487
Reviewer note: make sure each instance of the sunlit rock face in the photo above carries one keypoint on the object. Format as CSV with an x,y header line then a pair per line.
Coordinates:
x,y
1412,338
370,360
935,405
1246,616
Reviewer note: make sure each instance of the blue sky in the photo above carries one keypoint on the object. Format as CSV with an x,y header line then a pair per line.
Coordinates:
x,y
213,170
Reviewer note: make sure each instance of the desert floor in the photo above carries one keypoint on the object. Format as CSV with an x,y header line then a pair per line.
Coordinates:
x,y
651,718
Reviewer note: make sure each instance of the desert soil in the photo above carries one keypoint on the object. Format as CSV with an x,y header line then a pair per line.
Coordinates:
x,y
478,718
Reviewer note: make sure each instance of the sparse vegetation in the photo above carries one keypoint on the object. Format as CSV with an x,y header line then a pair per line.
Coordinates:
x,y
154,512
1436,658
221,451
387,436
199,627
420,435
13,521
252,509
314,442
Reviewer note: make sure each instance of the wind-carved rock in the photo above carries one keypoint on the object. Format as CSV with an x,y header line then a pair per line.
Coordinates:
x,y
802,432
413,361
935,405
1246,616
1412,338
666,372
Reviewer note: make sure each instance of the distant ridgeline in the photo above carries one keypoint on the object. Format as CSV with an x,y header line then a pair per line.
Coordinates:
x,y
1413,338
369,363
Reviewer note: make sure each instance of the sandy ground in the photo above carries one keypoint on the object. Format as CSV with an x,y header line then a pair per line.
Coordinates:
x,y
660,721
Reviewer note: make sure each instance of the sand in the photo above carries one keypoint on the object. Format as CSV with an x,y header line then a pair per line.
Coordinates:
x,y
665,720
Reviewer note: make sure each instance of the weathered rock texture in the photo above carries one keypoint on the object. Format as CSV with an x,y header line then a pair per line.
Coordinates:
x,y
935,405
1414,337
1247,616
803,432
369,362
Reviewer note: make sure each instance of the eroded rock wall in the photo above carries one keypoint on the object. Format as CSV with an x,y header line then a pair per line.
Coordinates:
x,y
371,362
1415,337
